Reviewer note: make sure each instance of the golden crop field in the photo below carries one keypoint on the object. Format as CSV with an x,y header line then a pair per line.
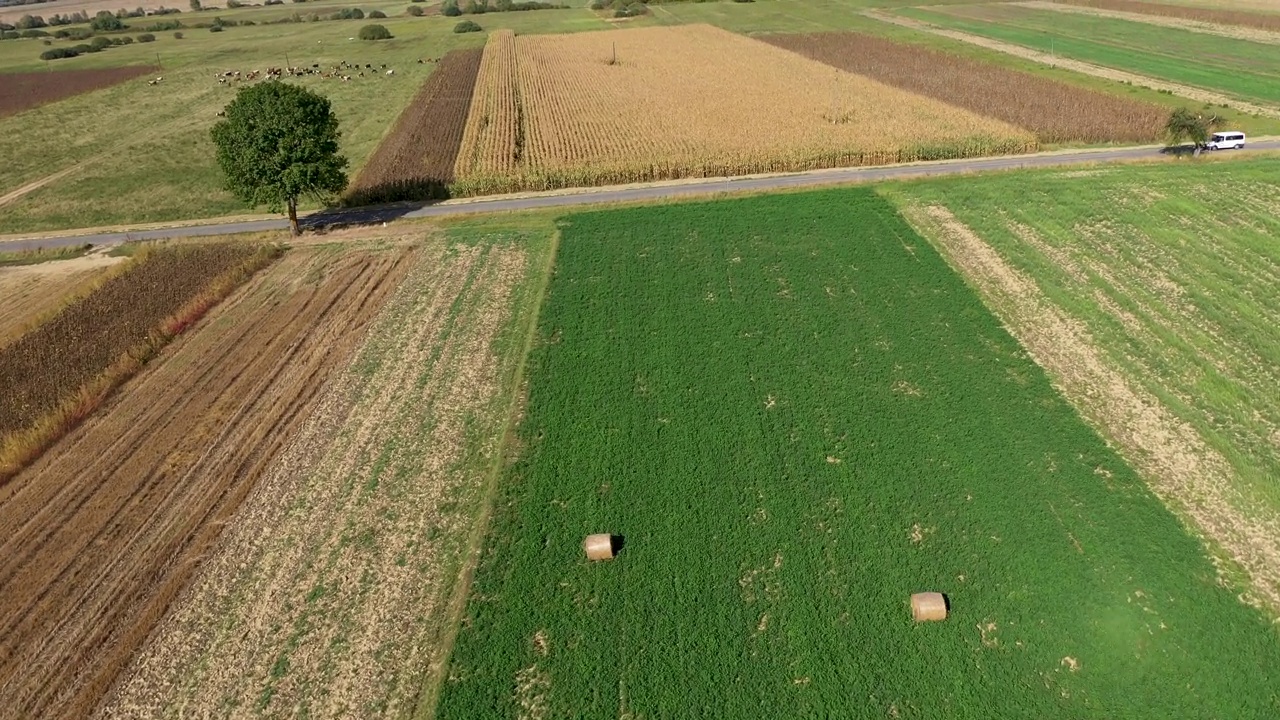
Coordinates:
x,y
691,101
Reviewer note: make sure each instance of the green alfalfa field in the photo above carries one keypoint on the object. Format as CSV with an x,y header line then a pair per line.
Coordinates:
x,y
796,415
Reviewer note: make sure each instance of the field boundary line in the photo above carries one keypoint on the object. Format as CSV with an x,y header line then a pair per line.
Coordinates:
x,y
1190,478
1080,66
429,697
1200,26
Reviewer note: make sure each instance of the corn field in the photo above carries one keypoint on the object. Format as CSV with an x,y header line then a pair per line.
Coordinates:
x,y
1054,111
691,101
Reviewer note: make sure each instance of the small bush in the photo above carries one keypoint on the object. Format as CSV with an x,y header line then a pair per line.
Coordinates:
x,y
348,14
477,7
33,33
126,40
377,15
177,36
47,42
99,44
466,26
59,53
597,4
9,35
273,2
415,11
146,37
374,32
233,4
450,8
215,28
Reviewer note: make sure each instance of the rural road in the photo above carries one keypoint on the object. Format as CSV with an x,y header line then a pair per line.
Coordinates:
x,y
597,196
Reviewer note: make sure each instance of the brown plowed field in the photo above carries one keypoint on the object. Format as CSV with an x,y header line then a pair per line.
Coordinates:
x,y
23,91
107,527
415,161
1054,111
33,291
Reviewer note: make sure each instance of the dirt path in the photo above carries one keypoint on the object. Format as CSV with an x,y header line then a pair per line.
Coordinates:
x,y
31,292
326,596
1236,32
1189,476
1186,91
106,529
33,186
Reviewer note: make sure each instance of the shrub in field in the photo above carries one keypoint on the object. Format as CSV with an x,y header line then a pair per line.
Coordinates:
x,y
348,14
33,33
9,35
99,44
215,28
374,32
377,15
59,53
27,22
106,22
414,11
467,26
146,38
177,36
233,4
163,26
449,8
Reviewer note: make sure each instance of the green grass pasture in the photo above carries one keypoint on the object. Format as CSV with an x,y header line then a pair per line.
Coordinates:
x,y
1239,68
797,415
1181,289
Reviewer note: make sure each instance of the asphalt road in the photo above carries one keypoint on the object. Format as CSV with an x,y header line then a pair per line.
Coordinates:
x,y
598,196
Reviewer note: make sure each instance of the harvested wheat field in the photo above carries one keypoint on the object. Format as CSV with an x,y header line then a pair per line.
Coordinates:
x,y
106,528
416,160
690,101
334,592
32,292
1054,111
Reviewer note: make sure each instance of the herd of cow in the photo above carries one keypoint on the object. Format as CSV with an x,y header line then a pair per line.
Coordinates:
x,y
343,71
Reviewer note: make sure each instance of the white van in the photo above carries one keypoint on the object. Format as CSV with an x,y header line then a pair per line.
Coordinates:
x,y
1226,141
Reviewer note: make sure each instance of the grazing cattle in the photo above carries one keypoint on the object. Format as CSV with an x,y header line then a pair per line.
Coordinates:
x,y
391,72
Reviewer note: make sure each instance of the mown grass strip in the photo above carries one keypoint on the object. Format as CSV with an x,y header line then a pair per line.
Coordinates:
x,y
797,415
18,258
57,374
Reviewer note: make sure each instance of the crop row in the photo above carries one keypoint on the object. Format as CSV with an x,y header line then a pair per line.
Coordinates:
x,y
657,103
417,158
1054,111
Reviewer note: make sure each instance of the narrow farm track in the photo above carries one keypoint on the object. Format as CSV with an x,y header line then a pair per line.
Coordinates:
x,y
107,528
37,184
1079,66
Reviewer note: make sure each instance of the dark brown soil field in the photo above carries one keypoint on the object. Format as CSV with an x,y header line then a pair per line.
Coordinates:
x,y
105,529
23,91
42,368
1054,111
1220,16
415,161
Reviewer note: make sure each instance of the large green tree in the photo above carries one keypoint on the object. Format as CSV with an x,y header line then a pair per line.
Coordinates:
x,y
277,143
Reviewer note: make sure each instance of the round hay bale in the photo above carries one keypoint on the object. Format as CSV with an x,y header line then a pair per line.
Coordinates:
x,y
599,546
928,607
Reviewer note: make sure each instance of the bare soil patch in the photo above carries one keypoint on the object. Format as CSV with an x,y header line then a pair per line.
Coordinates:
x,y
326,596
23,91
1188,475
1076,65
108,526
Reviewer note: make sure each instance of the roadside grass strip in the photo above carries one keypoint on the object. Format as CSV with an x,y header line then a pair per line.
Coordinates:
x,y
796,415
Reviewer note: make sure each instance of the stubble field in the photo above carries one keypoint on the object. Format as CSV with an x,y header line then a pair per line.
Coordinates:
x,y
335,592
107,527
33,292
659,103
795,415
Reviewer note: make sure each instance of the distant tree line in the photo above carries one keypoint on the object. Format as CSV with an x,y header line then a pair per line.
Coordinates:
x,y
451,8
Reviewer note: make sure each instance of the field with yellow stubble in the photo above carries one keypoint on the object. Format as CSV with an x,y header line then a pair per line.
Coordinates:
x,y
659,103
